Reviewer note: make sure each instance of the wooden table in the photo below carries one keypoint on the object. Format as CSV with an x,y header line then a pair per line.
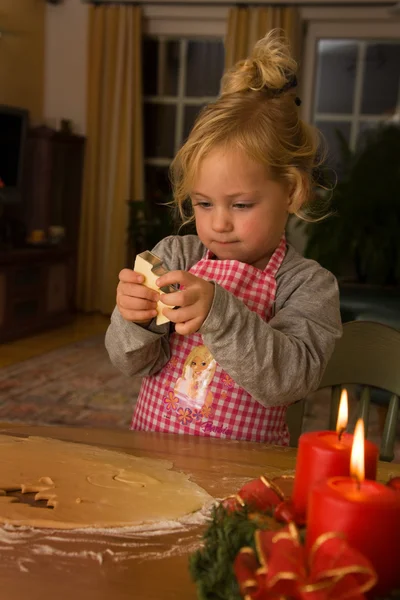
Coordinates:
x,y
93,566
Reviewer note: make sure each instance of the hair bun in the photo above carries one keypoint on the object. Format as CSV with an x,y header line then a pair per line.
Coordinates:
x,y
270,66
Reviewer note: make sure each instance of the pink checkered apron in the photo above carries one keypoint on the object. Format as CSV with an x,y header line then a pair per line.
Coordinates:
x,y
192,394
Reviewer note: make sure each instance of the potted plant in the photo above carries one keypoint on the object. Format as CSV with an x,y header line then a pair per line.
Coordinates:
x,y
362,231
150,222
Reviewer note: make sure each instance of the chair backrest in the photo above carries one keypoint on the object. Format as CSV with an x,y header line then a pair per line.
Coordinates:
x,y
367,354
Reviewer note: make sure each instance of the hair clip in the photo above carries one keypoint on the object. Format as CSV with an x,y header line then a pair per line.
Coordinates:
x,y
290,84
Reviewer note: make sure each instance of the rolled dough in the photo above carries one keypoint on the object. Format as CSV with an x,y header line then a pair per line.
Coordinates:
x,y
86,486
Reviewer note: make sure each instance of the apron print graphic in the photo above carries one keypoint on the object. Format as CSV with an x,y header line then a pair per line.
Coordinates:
x,y
191,397
192,389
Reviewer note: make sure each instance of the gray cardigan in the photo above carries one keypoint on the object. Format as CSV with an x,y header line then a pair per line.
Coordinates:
x,y
276,362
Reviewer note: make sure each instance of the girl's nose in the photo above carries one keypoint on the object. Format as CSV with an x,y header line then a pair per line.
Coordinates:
x,y
221,220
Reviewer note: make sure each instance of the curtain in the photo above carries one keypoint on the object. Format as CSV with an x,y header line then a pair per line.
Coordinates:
x,y
114,153
246,25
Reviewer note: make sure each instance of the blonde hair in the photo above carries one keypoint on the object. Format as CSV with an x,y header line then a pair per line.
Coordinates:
x,y
257,113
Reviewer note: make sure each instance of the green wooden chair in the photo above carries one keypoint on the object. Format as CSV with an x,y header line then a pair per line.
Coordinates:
x,y
367,354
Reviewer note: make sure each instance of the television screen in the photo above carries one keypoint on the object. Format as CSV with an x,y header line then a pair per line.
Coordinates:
x,y
13,126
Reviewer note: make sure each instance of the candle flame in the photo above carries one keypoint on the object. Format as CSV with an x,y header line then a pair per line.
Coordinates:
x,y
343,414
357,452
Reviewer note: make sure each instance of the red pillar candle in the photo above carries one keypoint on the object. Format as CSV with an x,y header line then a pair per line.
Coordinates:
x,y
324,454
367,512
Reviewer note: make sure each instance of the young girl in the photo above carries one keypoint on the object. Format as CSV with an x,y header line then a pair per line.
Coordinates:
x,y
253,323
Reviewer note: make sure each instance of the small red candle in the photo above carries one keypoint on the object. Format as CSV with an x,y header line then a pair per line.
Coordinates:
x,y
325,454
367,512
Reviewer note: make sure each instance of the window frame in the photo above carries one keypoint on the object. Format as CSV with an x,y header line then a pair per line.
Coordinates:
x,y
186,22
180,100
352,23
334,22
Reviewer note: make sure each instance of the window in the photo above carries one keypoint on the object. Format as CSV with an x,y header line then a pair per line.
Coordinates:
x,y
180,76
183,63
345,36
351,76
357,87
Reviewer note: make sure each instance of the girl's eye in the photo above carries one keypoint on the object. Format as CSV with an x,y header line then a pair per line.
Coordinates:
x,y
242,206
202,204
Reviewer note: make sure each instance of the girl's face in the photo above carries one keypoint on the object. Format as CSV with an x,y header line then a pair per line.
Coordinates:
x,y
240,213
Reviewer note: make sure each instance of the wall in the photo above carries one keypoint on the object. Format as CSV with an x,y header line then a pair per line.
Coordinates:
x,y
65,64
22,54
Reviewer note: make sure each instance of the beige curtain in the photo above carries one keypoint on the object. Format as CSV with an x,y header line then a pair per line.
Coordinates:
x,y
246,25
114,152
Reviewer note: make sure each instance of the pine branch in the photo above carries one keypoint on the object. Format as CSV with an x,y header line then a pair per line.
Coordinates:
x,y
211,567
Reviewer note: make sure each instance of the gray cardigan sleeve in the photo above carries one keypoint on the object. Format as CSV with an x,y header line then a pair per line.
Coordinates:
x,y
281,361
137,350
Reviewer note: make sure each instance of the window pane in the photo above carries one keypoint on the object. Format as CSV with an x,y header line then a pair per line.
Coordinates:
x,y
337,60
159,123
381,79
190,115
329,131
205,64
160,78
169,78
150,66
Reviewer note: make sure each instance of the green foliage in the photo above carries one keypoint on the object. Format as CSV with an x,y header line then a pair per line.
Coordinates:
x,y
211,567
149,223
365,224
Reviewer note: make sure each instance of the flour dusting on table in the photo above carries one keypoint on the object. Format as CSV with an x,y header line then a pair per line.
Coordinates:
x,y
102,546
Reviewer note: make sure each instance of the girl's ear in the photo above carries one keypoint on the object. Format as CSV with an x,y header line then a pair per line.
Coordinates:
x,y
299,188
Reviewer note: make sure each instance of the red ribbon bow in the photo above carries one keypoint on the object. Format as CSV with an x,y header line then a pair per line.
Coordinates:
x,y
262,494
332,569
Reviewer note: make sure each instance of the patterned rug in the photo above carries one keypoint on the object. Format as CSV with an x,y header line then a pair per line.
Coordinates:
x,y
75,385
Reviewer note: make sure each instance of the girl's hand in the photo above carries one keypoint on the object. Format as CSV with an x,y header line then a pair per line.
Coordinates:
x,y
192,303
136,302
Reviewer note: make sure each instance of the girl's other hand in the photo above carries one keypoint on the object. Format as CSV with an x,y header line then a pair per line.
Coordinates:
x,y
136,302
192,302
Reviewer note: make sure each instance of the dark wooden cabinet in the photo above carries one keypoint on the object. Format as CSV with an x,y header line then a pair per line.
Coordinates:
x,y
53,182
36,291
37,283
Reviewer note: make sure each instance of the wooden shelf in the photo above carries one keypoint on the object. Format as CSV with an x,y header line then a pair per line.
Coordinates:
x,y
32,254
36,291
